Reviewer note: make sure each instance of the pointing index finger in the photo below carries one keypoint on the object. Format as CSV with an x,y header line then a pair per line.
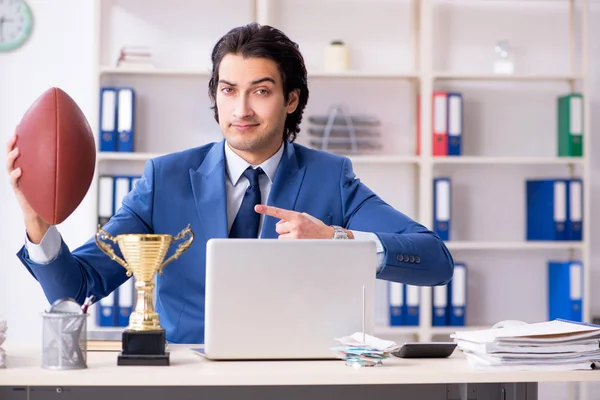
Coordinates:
x,y
275,212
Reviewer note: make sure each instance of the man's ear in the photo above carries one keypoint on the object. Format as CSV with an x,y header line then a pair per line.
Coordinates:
x,y
293,99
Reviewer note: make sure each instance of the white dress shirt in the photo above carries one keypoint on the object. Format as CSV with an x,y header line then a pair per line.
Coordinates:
x,y
235,187
236,184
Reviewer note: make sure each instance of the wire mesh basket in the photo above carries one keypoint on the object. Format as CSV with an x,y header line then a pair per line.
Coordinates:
x,y
64,340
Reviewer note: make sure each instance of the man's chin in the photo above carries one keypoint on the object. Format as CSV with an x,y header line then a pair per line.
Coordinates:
x,y
244,143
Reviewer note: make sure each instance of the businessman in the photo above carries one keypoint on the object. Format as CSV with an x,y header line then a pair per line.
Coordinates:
x,y
257,182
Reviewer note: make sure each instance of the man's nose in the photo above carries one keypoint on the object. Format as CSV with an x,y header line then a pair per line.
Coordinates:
x,y
242,107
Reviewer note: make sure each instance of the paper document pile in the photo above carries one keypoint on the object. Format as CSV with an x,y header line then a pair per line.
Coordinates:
x,y
545,346
3,327
362,350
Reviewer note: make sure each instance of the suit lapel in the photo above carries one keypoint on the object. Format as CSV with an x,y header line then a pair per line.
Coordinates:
x,y
208,187
285,188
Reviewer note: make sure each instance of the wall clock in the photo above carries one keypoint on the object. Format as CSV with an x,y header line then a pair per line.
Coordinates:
x,y
16,23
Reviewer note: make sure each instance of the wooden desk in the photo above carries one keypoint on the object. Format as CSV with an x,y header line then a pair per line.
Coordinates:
x,y
192,376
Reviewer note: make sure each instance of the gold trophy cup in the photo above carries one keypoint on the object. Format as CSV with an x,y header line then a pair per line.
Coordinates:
x,y
144,339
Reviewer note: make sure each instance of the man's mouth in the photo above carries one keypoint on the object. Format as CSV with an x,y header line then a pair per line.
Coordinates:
x,y
243,126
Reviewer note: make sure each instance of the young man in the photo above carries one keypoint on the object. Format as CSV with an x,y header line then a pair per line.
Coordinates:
x,y
255,183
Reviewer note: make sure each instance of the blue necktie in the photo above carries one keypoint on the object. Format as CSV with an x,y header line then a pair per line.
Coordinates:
x,y
247,220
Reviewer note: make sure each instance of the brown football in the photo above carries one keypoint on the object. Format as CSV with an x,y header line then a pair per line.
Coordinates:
x,y
57,155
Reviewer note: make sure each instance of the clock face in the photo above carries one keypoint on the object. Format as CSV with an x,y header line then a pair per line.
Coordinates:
x,y
16,22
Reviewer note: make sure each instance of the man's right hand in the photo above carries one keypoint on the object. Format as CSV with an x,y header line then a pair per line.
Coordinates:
x,y
36,227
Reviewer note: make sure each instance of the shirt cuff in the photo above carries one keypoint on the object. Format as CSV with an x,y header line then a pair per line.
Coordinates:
x,y
359,235
48,248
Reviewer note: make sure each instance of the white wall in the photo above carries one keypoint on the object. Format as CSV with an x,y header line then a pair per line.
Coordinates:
x,y
62,53
59,53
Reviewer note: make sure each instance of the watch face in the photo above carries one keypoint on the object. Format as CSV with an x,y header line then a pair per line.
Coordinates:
x,y
339,233
16,22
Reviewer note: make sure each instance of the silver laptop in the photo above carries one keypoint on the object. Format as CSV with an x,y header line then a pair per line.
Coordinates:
x,y
286,299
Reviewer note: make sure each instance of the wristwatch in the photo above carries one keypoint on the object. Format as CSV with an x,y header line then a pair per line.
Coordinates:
x,y
339,232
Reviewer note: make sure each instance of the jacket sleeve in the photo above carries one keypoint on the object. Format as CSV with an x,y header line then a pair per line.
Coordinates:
x,y
413,254
87,270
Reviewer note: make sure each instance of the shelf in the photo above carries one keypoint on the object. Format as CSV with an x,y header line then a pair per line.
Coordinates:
x,y
502,77
154,71
396,330
105,70
381,159
415,330
447,330
508,160
362,75
359,159
388,159
505,245
391,89
348,74
116,156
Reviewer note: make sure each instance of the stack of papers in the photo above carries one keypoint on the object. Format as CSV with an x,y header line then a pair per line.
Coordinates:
x,y
3,327
362,350
545,346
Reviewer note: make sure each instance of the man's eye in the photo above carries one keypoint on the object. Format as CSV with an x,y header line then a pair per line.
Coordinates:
x,y
262,91
226,90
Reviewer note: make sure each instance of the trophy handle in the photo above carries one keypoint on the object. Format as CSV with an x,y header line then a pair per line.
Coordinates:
x,y
181,248
108,250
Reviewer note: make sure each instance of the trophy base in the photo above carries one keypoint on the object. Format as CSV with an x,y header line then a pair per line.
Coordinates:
x,y
137,359
144,348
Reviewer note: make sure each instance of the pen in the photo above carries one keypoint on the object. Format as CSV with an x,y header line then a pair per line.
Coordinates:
x,y
88,302
363,314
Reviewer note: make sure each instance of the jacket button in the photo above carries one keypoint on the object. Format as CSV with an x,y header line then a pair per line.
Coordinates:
x,y
417,260
399,257
412,259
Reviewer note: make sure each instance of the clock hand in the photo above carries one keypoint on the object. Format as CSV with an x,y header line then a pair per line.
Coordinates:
x,y
3,19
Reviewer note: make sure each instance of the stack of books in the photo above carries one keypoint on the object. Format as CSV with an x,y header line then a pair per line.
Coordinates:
x,y
557,345
135,57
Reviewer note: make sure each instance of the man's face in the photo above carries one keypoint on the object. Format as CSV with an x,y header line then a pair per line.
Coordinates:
x,y
251,105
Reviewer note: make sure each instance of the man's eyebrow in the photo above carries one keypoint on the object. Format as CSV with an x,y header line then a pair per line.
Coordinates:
x,y
255,82
265,79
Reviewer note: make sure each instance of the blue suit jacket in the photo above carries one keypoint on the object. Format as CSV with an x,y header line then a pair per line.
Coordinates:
x,y
189,188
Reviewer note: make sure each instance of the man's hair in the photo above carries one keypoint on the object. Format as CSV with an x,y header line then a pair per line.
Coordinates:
x,y
254,40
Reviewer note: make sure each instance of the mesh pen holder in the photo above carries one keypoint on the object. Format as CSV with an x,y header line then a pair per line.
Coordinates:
x,y
64,341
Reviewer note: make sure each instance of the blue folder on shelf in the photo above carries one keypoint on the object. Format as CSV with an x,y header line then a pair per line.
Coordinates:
x,y
575,215
547,209
413,304
397,303
439,302
457,295
108,119
455,123
126,119
442,206
565,290
106,308
125,302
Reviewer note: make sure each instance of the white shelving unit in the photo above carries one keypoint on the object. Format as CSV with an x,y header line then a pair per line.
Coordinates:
x,y
406,36
430,78
499,77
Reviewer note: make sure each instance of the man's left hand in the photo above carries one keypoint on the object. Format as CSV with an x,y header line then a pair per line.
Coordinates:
x,y
296,225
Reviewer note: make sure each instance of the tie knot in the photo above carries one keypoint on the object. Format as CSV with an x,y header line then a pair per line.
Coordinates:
x,y
253,174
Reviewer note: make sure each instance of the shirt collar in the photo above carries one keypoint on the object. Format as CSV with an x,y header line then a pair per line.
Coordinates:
x,y
236,165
